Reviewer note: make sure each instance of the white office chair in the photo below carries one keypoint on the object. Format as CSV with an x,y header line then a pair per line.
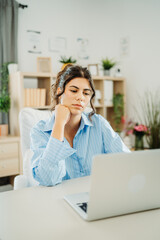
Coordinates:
x,y
28,117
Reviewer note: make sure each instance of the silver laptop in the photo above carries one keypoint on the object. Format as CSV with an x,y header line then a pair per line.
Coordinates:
x,y
121,183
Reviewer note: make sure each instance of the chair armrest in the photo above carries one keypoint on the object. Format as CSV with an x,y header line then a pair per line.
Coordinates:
x,y
20,182
27,170
25,180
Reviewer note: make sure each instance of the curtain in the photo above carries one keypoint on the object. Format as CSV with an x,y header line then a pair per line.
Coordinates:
x,y
8,31
8,40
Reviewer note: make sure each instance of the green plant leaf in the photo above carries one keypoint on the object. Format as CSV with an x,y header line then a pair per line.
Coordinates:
x,y
4,92
4,103
64,59
107,63
118,107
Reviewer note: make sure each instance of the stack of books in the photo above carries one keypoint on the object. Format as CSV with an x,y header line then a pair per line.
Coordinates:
x,y
34,97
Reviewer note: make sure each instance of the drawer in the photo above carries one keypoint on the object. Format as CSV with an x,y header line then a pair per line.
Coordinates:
x,y
9,167
9,150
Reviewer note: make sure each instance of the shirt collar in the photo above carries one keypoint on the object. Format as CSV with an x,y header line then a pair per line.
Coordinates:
x,y
84,121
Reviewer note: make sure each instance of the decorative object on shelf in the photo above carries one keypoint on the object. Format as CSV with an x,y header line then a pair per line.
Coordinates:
x,y
4,99
139,131
3,129
97,98
118,107
44,65
150,107
107,64
108,93
93,68
66,61
12,68
118,72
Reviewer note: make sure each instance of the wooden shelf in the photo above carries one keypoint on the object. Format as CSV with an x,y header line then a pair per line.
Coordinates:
x,y
99,106
37,75
108,78
106,106
44,80
43,107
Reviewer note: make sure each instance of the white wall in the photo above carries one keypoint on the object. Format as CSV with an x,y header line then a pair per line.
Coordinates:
x,y
104,23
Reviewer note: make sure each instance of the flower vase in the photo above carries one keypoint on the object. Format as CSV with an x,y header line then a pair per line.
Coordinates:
x,y
139,142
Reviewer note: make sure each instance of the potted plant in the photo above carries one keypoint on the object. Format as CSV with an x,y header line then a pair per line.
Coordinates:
x,y
107,64
150,107
66,61
4,99
118,108
139,130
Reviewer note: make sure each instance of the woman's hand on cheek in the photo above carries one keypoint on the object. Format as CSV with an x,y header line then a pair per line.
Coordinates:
x,y
62,114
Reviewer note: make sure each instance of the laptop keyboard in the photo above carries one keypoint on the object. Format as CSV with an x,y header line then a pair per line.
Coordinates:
x,y
83,206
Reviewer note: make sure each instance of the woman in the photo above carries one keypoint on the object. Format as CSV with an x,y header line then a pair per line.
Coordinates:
x,y
64,145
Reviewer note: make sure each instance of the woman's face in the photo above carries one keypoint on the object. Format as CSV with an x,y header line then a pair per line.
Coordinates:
x,y
77,95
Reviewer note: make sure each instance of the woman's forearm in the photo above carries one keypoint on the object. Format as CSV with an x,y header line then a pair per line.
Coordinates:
x,y
58,131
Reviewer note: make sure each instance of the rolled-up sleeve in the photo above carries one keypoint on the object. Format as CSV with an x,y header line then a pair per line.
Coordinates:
x,y
48,161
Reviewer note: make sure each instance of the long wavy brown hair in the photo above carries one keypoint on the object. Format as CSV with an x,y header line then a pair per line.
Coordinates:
x,y
65,76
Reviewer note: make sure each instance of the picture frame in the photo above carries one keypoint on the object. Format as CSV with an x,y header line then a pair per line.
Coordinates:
x,y
93,68
44,64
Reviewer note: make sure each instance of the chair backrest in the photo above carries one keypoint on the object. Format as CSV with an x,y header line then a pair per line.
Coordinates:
x,y
28,117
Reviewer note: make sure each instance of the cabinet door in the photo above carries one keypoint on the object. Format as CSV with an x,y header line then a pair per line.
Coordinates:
x,y
9,159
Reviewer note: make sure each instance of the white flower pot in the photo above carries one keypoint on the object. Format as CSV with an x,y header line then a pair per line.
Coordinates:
x,y
106,72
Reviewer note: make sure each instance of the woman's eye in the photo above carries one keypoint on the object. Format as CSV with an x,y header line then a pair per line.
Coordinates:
x,y
87,94
73,91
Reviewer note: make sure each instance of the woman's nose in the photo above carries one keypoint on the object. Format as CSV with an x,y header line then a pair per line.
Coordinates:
x,y
80,95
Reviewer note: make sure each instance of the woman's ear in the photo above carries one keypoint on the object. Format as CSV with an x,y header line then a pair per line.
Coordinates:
x,y
58,90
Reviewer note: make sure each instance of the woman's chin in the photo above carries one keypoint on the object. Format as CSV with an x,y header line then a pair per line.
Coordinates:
x,y
76,111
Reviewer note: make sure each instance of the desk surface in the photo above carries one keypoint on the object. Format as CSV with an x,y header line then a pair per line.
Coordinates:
x,y
40,213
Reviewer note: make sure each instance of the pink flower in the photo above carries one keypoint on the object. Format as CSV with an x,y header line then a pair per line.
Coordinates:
x,y
132,128
129,132
123,120
140,128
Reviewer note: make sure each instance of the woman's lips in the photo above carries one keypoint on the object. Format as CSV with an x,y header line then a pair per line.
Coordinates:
x,y
77,105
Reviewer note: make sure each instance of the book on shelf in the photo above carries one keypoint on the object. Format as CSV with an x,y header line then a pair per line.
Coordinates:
x,y
34,97
27,97
31,97
38,97
42,97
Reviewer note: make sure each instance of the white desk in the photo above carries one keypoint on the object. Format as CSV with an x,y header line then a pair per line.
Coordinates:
x,y
40,213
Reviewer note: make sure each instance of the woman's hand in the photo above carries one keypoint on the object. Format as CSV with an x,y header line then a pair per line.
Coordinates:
x,y
62,116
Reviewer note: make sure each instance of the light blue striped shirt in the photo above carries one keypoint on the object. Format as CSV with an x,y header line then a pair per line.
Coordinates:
x,y
54,161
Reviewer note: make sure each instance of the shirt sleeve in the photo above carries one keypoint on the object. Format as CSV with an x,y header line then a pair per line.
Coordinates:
x,y
111,140
48,161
